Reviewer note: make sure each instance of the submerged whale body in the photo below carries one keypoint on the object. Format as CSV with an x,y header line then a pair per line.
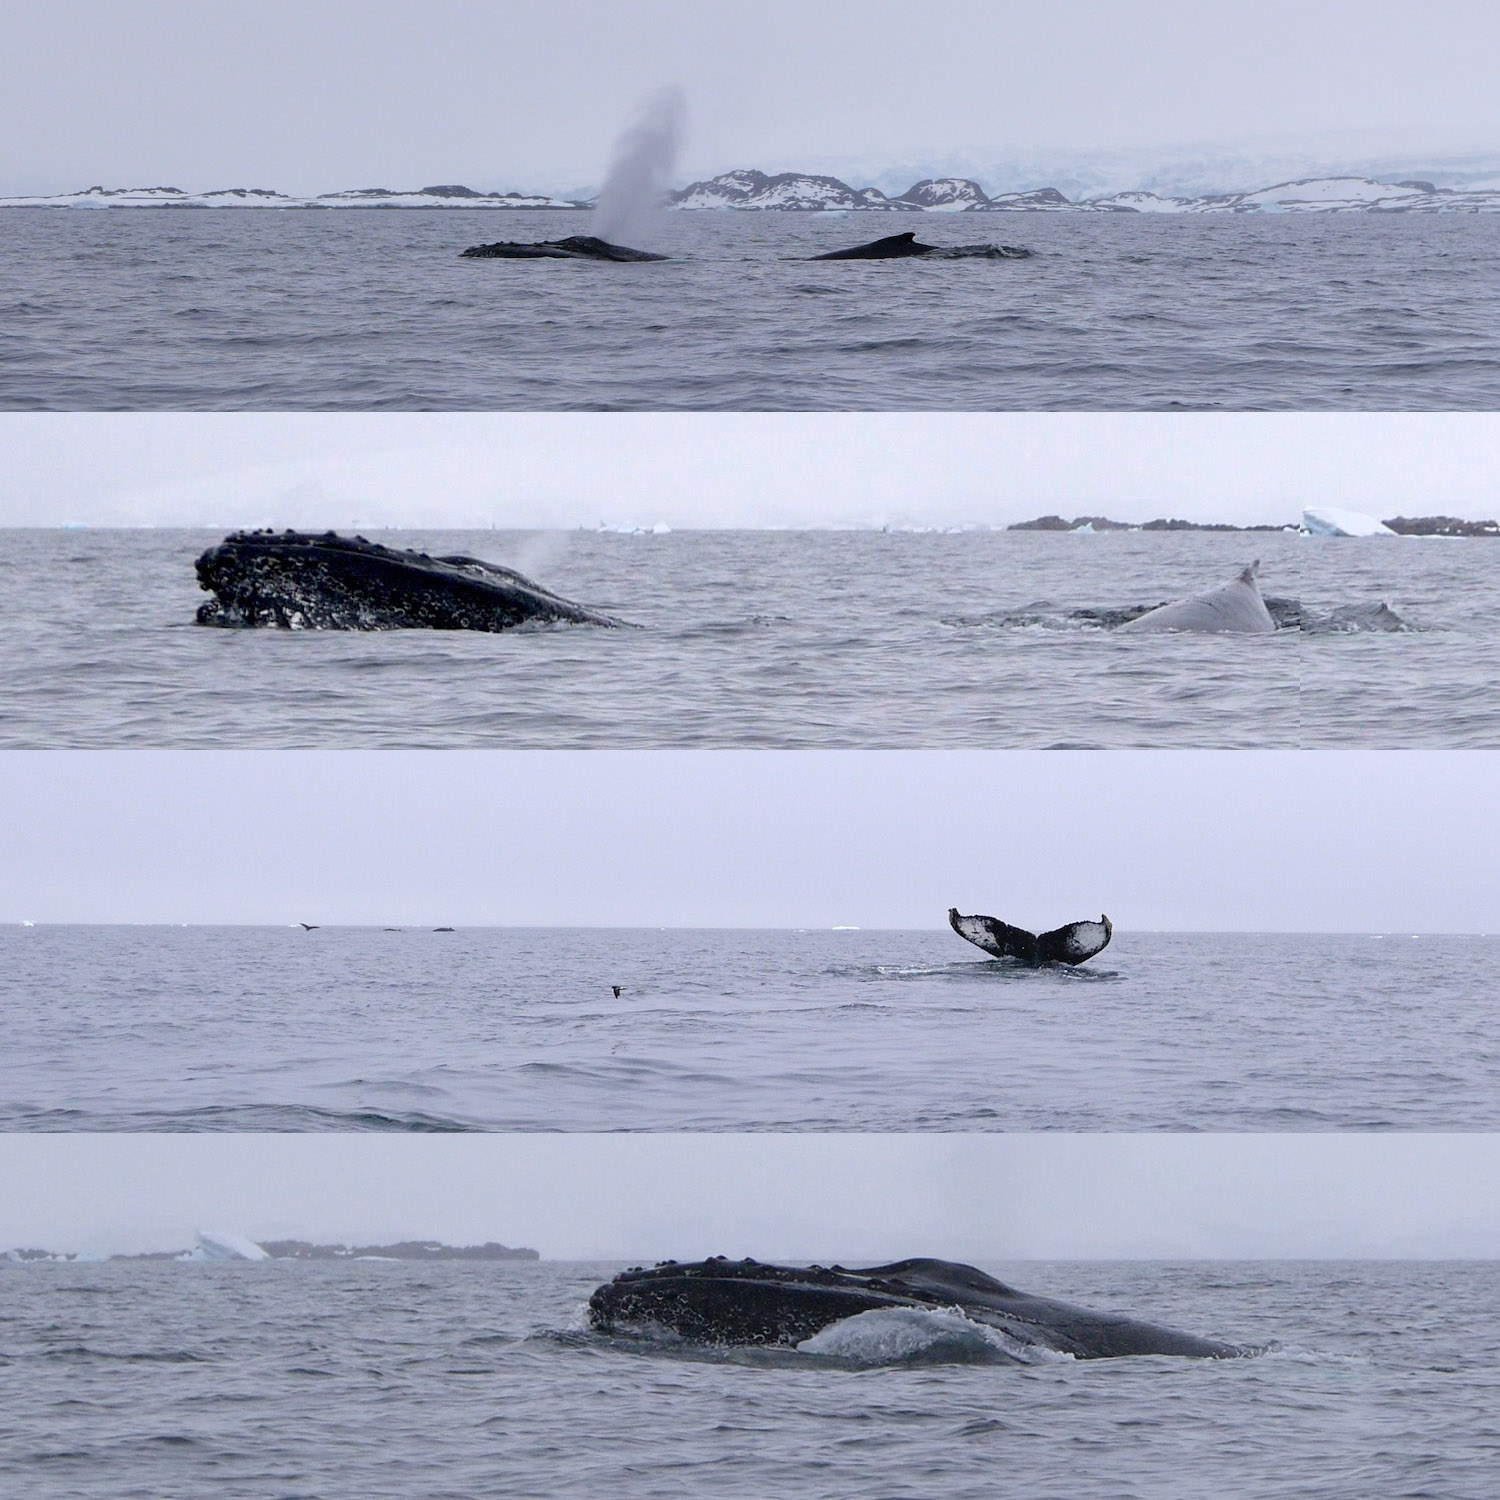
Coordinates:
x,y
901,246
1353,619
300,581
720,1301
574,247
1074,944
1234,607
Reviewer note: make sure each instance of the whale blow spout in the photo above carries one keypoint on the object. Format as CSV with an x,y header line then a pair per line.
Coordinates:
x,y
645,155
1073,944
720,1301
297,580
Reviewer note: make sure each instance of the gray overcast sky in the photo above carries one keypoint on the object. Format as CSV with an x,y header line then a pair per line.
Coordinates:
x,y
734,469
311,95
850,1197
1187,840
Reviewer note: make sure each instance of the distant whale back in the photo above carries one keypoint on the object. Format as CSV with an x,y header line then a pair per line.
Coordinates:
x,y
905,245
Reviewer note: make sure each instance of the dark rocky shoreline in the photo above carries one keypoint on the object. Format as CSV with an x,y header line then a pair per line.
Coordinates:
x,y
410,1250
423,1250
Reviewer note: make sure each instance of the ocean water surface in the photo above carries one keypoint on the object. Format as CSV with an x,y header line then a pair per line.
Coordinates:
x,y
768,639
375,1379
151,309
244,1028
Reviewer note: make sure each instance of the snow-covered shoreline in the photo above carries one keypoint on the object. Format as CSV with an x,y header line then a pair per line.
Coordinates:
x,y
247,198
754,191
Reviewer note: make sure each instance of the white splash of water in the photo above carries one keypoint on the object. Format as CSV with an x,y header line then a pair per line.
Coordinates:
x,y
644,157
911,1335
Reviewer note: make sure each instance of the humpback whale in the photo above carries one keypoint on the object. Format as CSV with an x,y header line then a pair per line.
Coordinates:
x,y
1352,619
574,247
1232,607
901,246
720,1301
1285,614
301,581
1074,944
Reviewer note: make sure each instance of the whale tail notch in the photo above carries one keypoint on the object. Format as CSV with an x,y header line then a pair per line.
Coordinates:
x,y
1071,944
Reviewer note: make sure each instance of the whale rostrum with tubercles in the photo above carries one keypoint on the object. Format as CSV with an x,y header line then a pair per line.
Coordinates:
x,y
1073,944
574,247
1234,607
746,1302
299,580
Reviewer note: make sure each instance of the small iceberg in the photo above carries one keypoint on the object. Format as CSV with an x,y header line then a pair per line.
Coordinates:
x,y
214,1244
1329,520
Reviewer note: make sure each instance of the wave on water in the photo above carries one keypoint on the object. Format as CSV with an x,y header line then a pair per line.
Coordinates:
x,y
247,1117
990,970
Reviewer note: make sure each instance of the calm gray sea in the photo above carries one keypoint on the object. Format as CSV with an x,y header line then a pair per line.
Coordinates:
x,y
767,639
151,309
244,1028
160,1381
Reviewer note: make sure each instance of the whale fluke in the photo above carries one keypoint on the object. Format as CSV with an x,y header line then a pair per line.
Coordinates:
x,y
300,581
902,246
722,1301
574,247
1232,607
1073,944
308,926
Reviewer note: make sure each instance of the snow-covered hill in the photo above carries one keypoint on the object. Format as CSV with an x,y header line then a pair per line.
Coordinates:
x,y
170,197
1318,195
791,190
786,190
811,193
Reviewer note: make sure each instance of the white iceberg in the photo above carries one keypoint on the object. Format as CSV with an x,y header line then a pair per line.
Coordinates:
x,y
1329,520
215,1244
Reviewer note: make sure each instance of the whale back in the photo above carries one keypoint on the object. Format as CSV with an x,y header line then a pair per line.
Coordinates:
x,y
1235,607
891,247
